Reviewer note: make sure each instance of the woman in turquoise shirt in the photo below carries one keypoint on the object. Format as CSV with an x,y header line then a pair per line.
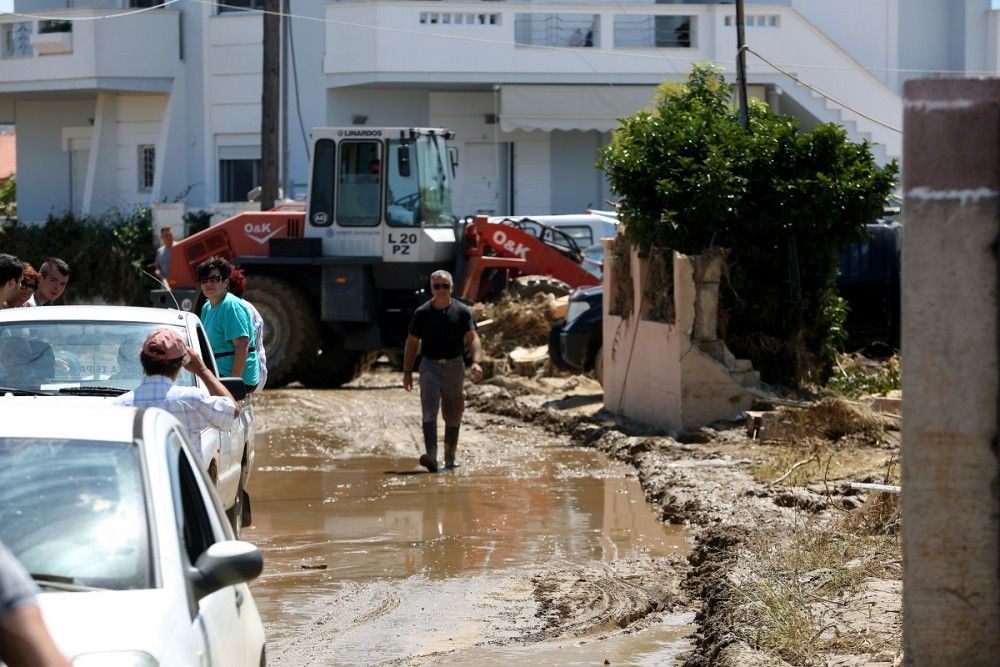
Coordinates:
x,y
227,323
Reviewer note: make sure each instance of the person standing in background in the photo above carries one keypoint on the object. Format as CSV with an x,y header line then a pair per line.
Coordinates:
x,y
11,274
24,638
29,283
238,286
227,323
442,328
163,253
54,278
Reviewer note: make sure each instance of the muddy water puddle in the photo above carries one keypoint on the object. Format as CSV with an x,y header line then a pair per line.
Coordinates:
x,y
370,560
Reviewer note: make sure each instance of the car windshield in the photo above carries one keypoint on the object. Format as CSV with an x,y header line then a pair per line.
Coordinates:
x,y
72,512
65,356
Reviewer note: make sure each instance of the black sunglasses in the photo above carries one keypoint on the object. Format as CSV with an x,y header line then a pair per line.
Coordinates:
x,y
213,279
440,286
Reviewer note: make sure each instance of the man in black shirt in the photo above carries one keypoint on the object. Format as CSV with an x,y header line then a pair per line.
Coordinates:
x,y
441,327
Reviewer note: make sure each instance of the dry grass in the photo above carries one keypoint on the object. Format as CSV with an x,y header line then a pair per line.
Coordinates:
x,y
825,462
792,593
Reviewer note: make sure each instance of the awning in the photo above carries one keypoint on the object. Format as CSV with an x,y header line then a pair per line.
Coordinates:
x,y
550,108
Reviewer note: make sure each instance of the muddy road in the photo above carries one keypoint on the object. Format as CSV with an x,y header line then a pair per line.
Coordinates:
x,y
530,552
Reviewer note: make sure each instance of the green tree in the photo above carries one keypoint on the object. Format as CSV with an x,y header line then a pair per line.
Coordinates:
x,y
782,201
8,197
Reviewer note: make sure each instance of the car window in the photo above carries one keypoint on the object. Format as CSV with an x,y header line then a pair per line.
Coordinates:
x,y
51,355
204,350
195,525
582,234
74,512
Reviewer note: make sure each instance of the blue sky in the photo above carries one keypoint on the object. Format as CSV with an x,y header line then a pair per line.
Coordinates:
x,y
6,5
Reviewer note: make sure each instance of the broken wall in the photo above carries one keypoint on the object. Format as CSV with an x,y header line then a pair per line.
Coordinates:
x,y
671,375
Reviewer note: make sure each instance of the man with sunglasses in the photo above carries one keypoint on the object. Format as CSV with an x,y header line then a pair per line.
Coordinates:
x,y
441,328
11,272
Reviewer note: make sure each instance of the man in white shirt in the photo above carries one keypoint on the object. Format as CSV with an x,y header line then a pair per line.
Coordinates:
x,y
163,355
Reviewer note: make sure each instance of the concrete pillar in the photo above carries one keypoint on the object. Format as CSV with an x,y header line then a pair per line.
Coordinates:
x,y
951,551
707,276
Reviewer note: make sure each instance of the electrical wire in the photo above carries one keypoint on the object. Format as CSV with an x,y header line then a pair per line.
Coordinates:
x,y
816,90
49,17
295,87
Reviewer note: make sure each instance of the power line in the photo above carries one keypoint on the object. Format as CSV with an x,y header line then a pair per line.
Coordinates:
x,y
823,94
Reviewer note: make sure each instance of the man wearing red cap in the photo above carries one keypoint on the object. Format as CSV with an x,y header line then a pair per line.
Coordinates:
x,y
162,357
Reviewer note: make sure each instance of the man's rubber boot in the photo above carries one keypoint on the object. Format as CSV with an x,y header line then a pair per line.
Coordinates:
x,y
429,460
450,446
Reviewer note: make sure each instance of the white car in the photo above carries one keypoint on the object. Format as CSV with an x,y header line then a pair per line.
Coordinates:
x,y
91,353
108,509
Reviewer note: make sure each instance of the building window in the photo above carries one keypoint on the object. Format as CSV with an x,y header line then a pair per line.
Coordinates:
x,y
145,3
15,40
239,5
237,178
147,167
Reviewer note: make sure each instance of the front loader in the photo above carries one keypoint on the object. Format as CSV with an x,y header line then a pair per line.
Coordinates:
x,y
337,280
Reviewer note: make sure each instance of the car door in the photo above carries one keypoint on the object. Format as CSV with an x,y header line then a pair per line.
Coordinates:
x,y
216,617
227,444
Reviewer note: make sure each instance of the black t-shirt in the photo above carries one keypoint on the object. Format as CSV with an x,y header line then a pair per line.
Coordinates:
x,y
442,332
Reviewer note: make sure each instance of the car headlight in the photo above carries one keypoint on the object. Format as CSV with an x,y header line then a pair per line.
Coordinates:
x,y
576,309
116,659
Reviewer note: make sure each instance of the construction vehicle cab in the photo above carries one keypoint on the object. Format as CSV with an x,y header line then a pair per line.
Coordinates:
x,y
382,193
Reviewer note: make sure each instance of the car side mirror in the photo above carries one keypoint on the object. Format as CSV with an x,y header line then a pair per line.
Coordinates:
x,y
226,564
236,387
403,160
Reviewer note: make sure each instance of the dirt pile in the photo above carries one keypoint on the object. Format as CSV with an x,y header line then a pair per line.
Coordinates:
x,y
520,326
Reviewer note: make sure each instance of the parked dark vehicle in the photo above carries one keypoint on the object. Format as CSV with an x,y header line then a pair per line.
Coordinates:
x,y
575,343
869,281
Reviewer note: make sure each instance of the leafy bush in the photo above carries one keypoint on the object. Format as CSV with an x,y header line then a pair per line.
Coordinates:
x,y
8,197
105,255
782,201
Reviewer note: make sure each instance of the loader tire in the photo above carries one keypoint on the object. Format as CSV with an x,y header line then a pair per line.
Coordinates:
x,y
526,287
291,327
334,366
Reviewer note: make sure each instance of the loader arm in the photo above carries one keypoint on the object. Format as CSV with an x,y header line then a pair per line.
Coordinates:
x,y
492,245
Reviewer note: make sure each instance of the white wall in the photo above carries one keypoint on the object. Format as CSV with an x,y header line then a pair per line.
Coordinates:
x,y
931,35
870,41
465,115
532,175
576,183
139,121
40,156
396,107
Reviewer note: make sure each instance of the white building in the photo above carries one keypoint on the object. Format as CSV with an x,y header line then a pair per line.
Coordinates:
x,y
164,105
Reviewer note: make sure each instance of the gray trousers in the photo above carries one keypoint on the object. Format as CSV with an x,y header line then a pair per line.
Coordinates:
x,y
442,385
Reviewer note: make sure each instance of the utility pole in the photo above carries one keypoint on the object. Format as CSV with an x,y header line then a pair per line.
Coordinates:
x,y
741,66
270,102
286,46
